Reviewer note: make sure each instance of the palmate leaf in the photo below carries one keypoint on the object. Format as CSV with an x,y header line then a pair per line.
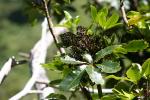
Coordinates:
x,y
71,80
95,76
109,66
106,51
136,45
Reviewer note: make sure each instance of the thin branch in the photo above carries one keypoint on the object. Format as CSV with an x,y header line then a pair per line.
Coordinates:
x,y
123,12
50,26
25,55
5,70
7,67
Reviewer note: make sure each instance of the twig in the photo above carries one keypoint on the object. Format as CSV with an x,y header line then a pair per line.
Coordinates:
x,y
25,55
7,67
123,11
5,70
100,93
50,26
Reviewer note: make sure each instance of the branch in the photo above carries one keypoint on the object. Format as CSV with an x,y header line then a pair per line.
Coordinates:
x,y
123,12
50,27
5,70
7,67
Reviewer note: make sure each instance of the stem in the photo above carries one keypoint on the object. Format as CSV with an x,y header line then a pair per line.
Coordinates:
x,y
123,12
86,93
50,24
100,94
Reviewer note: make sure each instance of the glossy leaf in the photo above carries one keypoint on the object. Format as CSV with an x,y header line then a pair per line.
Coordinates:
x,y
136,45
94,75
71,80
146,68
134,73
109,66
68,60
106,51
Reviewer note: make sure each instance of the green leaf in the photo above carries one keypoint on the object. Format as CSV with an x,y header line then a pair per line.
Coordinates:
x,y
55,64
111,21
124,95
101,19
119,50
76,20
117,78
134,16
55,82
71,80
54,96
94,75
67,1
67,15
109,66
106,51
68,60
114,25
136,45
105,11
134,73
110,97
123,90
93,12
88,58
146,68
131,14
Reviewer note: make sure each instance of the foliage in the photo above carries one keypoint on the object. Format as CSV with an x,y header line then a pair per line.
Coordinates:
x,y
96,54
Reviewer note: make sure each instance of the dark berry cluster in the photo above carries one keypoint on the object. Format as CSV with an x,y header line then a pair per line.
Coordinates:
x,y
81,42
